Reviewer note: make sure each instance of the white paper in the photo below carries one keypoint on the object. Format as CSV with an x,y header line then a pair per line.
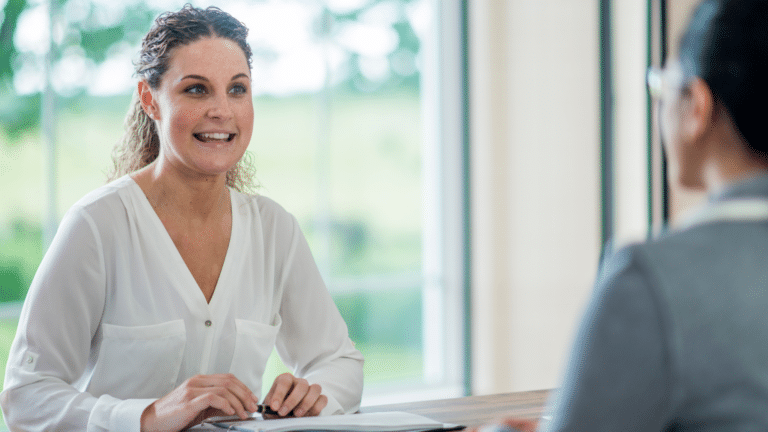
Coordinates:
x,y
393,421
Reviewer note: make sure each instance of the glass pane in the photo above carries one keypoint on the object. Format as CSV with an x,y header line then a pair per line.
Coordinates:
x,y
349,166
338,141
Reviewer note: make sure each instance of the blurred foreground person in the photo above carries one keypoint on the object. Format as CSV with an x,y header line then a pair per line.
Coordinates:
x,y
676,334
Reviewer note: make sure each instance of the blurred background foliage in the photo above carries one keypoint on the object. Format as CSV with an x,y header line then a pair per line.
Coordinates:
x,y
364,85
89,33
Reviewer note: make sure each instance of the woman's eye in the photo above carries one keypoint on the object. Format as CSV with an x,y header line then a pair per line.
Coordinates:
x,y
196,89
238,89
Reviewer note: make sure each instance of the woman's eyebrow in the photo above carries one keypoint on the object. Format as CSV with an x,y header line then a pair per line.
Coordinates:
x,y
202,78
197,77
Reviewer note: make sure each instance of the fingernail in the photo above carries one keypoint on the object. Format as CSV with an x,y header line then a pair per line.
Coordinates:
x,y
283,411
299,412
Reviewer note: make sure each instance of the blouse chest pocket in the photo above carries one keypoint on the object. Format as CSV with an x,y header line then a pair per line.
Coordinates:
x,y
138,361
254,343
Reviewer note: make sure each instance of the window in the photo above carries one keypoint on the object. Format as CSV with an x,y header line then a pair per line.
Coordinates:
x,y
358,133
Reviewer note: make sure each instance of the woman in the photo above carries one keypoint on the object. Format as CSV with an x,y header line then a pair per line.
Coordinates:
x,y
165,291
675,335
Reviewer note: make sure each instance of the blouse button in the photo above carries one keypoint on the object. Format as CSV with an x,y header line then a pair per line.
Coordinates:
x,y
208,323
30,359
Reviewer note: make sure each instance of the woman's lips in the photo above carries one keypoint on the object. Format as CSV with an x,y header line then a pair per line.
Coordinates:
x,y
214,137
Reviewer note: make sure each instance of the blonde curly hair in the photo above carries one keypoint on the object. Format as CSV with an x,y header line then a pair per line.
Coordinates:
x,y
140,144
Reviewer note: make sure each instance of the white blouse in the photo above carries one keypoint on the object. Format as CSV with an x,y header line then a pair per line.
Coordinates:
x,y
114,319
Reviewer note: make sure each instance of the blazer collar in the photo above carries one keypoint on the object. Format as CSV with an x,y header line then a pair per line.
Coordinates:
x,y
752,187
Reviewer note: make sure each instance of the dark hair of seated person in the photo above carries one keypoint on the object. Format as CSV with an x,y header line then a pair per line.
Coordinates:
x,y
726,45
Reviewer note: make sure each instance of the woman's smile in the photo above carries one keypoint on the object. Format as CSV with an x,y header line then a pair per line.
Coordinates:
x,y
214,139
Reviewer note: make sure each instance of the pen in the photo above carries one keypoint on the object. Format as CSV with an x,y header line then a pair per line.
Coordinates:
x,y
265,409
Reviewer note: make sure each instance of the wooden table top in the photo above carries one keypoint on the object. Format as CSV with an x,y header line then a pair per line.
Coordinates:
x,y
473,411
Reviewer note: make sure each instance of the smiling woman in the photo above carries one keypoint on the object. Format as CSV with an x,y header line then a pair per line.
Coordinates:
x,y
203,107
140,144
164,292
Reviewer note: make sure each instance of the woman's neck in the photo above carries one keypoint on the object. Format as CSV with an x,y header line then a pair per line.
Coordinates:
x,y
732,161
191,196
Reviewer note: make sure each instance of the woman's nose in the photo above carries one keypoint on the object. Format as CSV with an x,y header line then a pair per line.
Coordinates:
x,y
220,107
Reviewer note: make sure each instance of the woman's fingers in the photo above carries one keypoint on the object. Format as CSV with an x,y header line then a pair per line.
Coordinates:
x,y
244,397
280,388
208,400
522,425
308,402
198,398
233,385
242,400
235,406
509,425
290,394
296,394
320,403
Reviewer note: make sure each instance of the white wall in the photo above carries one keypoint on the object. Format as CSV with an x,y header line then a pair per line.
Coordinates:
x,y
534,121
535,164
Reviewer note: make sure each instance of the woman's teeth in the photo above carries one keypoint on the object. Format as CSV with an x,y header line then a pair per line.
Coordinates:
x,y
206,137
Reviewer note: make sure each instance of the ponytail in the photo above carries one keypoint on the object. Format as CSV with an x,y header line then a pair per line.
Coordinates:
x,y
140,144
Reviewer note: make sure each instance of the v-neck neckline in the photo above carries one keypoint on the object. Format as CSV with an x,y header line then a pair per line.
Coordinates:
x,y
174,253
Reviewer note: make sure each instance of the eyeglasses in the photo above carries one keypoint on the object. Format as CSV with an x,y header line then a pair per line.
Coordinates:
x,y
654,78
661,80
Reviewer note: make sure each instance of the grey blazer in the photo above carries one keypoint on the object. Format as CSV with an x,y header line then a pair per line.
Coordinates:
x,y
676,334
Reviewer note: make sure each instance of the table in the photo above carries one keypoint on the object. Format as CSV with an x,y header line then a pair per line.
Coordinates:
x,y
473,411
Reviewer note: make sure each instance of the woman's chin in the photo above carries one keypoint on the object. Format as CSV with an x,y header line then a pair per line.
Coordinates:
x,y
208,169
213,165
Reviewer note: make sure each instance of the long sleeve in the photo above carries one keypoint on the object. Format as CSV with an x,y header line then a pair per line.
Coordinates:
x,y
313,340
618,377
52,347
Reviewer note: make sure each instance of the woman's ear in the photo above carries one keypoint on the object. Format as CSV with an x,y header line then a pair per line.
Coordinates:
x,y
700,115
147,100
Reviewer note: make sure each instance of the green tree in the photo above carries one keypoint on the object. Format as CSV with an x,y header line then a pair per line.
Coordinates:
x,y
89,32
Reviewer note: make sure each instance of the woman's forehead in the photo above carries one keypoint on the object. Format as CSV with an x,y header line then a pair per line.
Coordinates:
x,y
212,56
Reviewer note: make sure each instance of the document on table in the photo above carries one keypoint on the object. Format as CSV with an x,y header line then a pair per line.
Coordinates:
x,y
394,421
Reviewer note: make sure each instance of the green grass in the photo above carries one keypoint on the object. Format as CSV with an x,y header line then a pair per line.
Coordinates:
x,y
19,257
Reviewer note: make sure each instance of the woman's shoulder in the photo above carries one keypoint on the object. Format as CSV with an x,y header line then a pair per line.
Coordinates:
x,y
265,209
704,245
105,203
699,261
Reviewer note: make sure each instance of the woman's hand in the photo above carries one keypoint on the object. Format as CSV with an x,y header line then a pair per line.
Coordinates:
x,y
198,398
289,393
510,425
